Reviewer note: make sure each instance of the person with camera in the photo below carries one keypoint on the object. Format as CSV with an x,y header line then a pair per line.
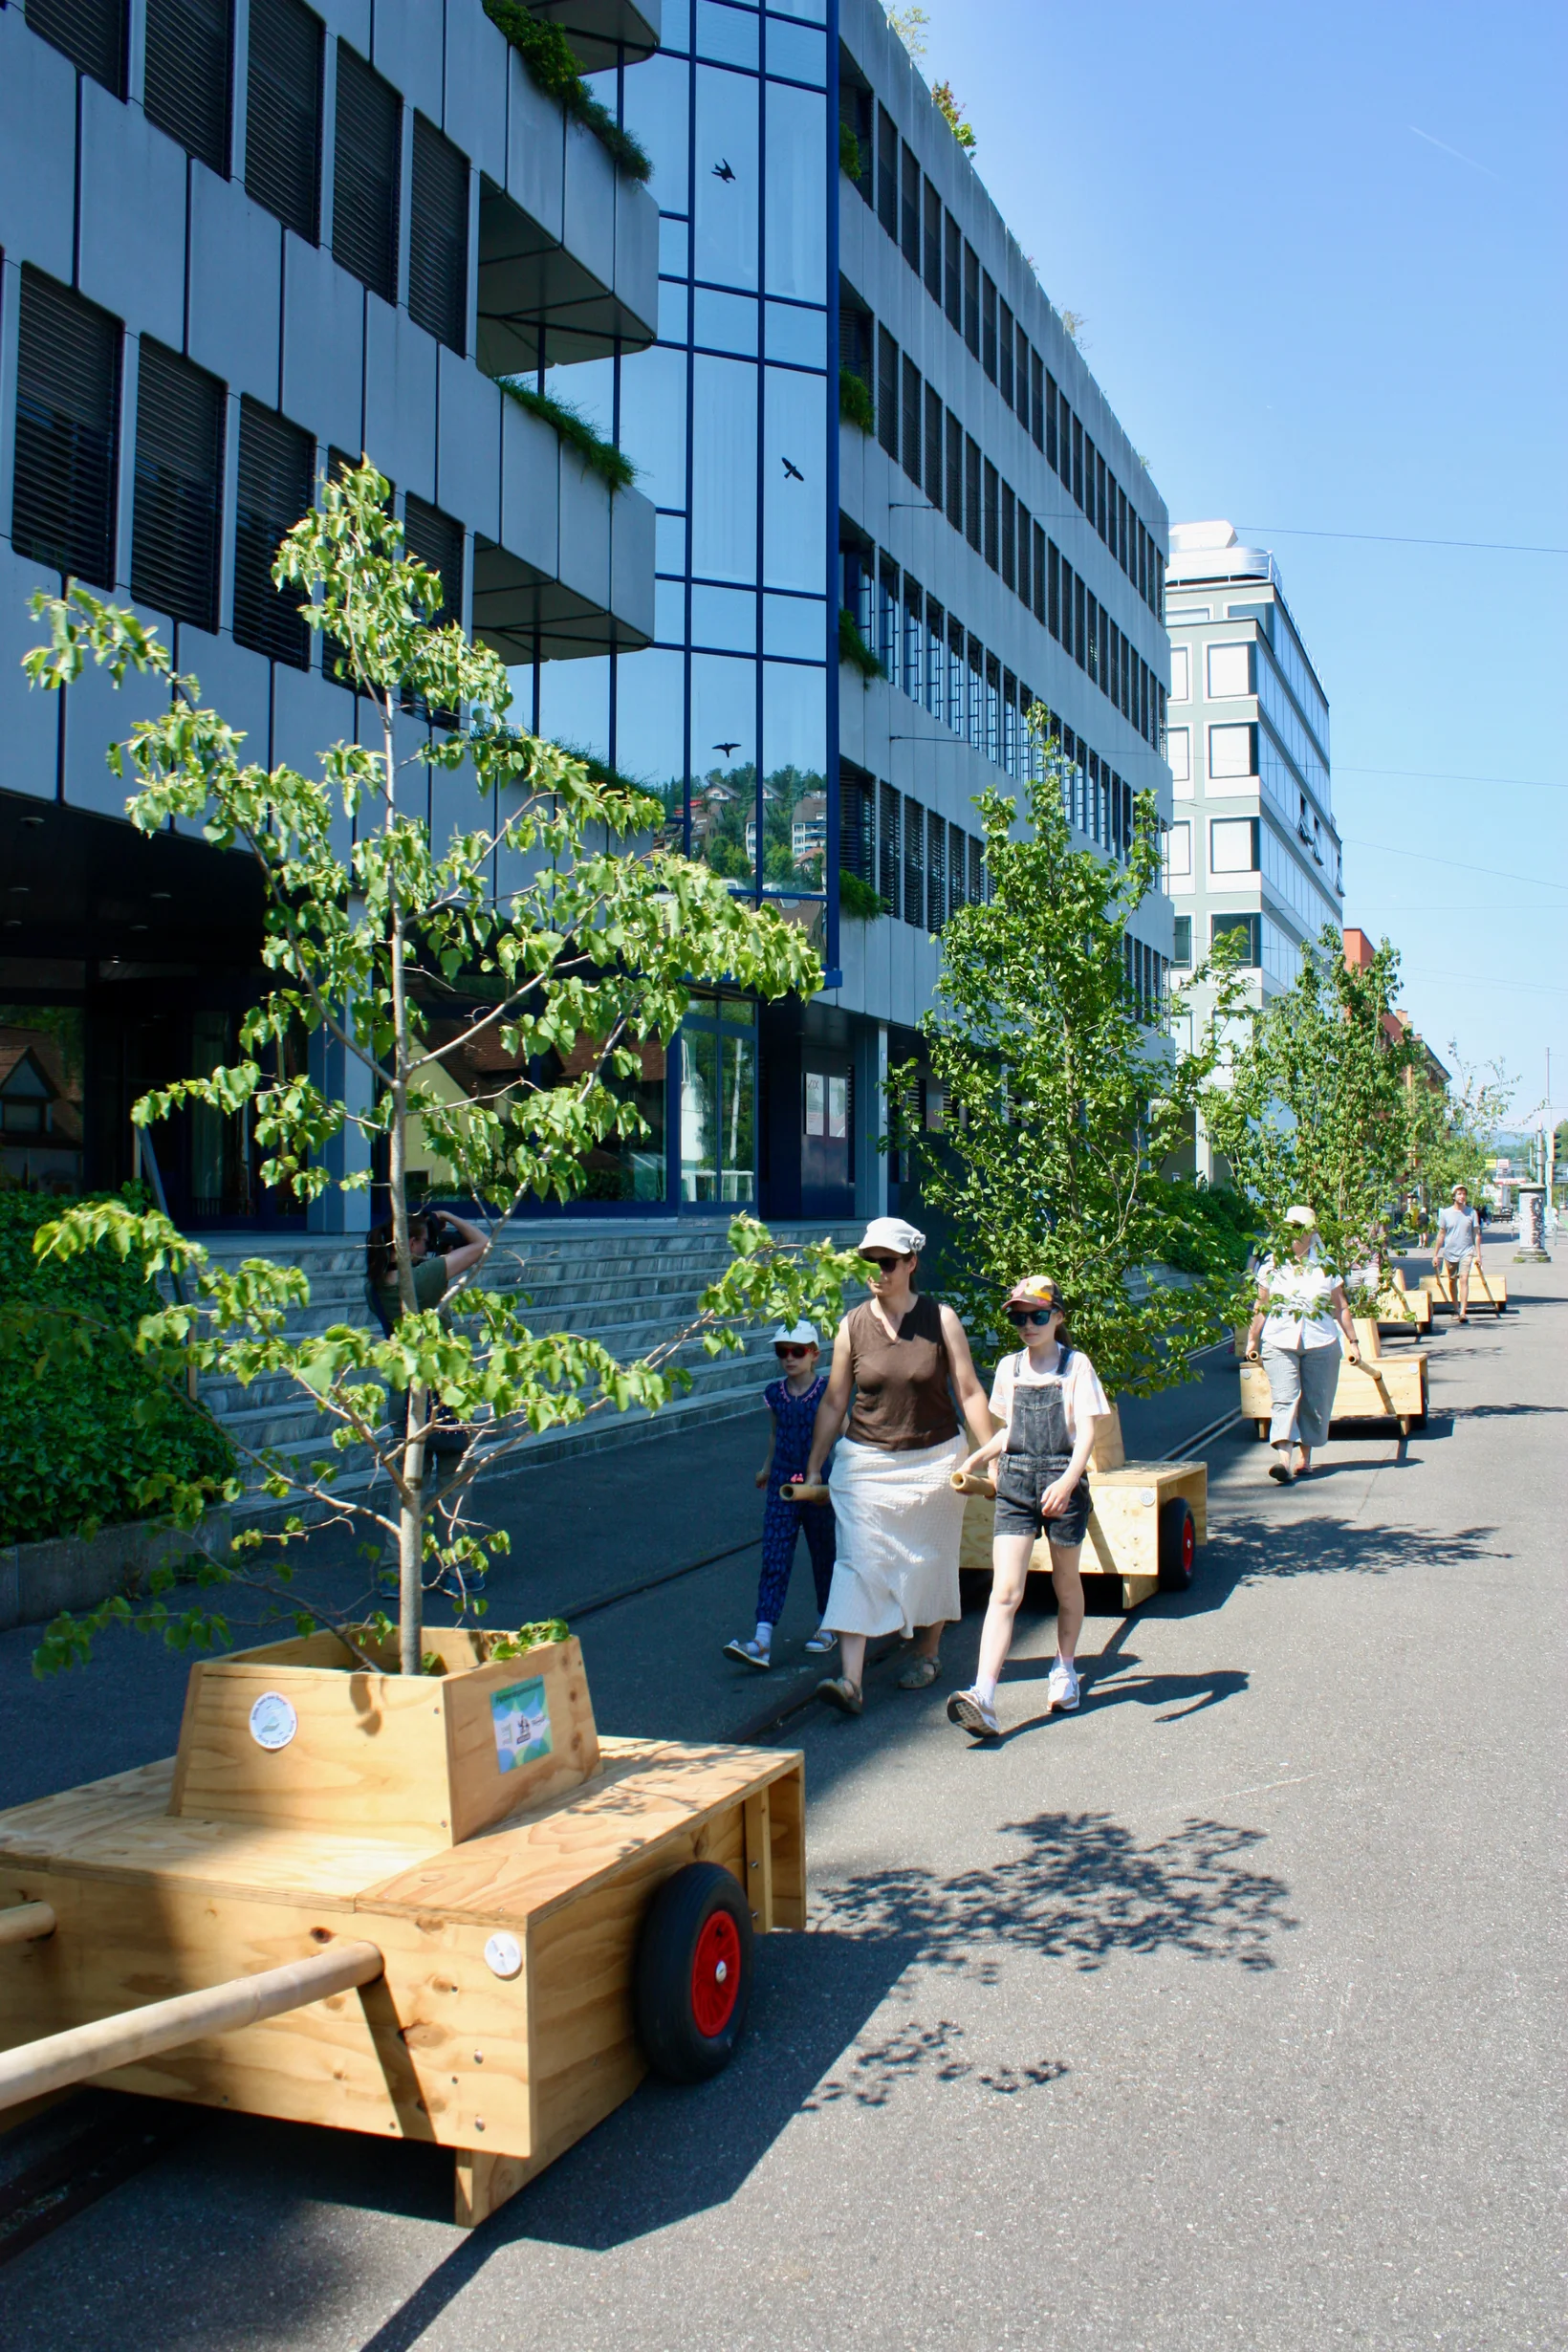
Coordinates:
x,y
441,1248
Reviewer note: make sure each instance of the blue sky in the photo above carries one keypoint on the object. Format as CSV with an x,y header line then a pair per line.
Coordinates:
x,y
1320,259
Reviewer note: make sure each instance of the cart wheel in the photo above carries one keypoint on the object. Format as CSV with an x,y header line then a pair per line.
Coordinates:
x,y
1178,1545
694,1974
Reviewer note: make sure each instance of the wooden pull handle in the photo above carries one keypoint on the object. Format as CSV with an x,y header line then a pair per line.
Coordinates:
x,y
972,1482
799,1492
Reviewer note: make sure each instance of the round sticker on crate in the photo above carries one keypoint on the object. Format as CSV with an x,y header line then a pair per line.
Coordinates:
x,y
273,1722
504,1955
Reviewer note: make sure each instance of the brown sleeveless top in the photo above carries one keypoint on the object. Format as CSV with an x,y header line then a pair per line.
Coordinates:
x,y
903,1400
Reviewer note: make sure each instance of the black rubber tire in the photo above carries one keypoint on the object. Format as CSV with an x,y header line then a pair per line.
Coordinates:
x,y
672,2038
1178,1545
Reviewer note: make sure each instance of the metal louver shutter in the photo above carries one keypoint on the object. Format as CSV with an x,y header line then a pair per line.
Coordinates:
x,y
190,48
365,175
67,431
179,475
437,236
283,114
92,33
275,491
434,539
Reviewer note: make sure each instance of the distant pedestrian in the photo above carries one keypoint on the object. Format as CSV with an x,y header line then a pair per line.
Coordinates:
x,y
905,1362
1301,1309
1457,1247
792,1402
1047,1398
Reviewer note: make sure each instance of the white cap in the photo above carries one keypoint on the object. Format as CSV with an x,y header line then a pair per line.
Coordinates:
x,y
1301,1216
895,1234
798,1334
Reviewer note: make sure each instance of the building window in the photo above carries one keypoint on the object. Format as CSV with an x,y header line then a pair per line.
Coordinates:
x,y
994,521
1181,685
1024,547
436,540
957,678
1010,722
1077,461
1037,574
936,660
1036,399
179,480
889,856
911,211
1233,845
911,420
952,277
856,822
1081,631
1179,853
92,33
1004,354
190,63
1182,957
276,467
993,710
971,300
1233,752
1230,671
933,244
971,491
1101,505
854,337
955,472
438,237
1053,589
914,640
933,449
977,870
974,724
855,111
914,879
1249,928
887,392
1051,422
67,431
366,160
283,114
936,871
988,324
1009,538
1179,752
888,173
887,620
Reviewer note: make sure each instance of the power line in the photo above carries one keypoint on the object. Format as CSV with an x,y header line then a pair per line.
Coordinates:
x,y
1396,538
1460,866
1447,776
1484,980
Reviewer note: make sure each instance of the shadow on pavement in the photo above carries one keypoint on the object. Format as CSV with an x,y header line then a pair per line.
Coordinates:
x,y
1256,1551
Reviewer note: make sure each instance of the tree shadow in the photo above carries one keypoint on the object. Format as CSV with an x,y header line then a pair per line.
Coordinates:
x,y
1500,1412
1259,1551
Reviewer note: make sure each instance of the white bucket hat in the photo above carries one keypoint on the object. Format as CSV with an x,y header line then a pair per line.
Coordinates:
x,y
797,1334
893,1233
1302,1216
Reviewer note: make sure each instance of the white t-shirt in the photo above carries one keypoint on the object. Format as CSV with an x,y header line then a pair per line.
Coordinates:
x,y
1300,1293
1082,1391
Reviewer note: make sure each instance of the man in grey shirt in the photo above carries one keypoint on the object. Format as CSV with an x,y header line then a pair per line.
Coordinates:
x,y
1458,1246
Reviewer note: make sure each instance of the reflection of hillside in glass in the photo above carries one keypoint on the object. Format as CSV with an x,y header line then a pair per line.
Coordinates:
x,y
41,1055
724,824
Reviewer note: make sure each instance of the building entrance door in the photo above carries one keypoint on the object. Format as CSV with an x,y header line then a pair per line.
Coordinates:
x,y
827,1142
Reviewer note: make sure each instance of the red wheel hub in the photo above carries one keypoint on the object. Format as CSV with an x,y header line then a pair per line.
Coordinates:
x,y
715,1974
1189,1546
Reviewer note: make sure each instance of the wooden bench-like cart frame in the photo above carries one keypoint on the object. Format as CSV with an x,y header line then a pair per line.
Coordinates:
x,y
1488,1288
1124,1539
498,1884
1379,1388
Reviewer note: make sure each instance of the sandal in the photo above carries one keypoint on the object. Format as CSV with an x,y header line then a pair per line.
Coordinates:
x,y
840,1692
819,1644
920,1673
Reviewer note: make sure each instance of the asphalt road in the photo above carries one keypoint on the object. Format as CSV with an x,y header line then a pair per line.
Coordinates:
x,y
1227,2012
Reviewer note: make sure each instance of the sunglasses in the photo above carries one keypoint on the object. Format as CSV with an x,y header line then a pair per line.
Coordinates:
x,y
783,1350
884,1265
1018,1316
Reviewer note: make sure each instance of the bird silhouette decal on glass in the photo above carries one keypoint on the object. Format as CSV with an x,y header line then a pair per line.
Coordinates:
x,y
791,472
727,748
722,170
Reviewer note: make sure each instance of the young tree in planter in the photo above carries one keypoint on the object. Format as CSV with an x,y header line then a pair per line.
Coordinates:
x,y
1450,1130
1062,1103
591,949
1317,1109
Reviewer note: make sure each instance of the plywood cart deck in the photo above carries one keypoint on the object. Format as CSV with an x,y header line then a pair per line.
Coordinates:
x,y
1488,1288
1383,1389
472,1828
1125,1538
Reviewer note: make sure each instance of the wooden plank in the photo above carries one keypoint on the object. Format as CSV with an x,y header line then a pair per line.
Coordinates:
x,y
1136,1590
482,1792
758,1882
434,2050
787,1799
1392,1389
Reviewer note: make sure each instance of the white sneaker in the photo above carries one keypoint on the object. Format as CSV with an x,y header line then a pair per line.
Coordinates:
x,y
1062,1689
968,1709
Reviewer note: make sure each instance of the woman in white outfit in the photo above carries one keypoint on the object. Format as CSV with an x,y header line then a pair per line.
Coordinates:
x,y
906,1361
1301,1309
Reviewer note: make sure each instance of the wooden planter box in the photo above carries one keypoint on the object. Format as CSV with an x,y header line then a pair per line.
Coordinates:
x,y
1403,1314
1124,1538
470,1824
1488,1288
1392,1389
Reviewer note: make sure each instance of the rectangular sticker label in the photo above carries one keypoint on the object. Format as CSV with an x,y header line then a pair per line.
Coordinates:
x,y
522,1719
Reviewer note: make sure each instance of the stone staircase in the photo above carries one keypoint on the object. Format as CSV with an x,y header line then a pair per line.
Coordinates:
x,y
627,1285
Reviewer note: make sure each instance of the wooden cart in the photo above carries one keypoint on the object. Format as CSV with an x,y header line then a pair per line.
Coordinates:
x,y
1382,1388
1488,1288
1403,1314
433,1908
1147,1523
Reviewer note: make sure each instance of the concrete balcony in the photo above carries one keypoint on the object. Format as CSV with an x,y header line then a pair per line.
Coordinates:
x,y
570,571
596,28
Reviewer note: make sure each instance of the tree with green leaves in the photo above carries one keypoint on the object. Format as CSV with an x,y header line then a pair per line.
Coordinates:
x,y
554,930
1451,1130
1317,1110
1063,1101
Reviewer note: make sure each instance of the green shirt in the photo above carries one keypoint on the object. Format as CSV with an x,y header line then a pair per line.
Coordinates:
x,y
430,1286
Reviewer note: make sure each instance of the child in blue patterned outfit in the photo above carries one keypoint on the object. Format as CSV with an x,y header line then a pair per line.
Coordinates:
x,y
792,1403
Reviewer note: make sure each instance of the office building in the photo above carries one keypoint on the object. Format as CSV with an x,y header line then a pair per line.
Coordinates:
x,y
882,508
1252,850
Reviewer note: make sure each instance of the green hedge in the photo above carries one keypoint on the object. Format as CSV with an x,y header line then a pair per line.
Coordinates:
x,y
85,1420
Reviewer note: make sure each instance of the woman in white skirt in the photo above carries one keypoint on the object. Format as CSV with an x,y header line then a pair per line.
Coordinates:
x,y
906,1361
1301,1309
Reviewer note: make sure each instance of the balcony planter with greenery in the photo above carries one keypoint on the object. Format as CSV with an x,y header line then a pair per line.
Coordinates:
x,y
600,456
860,902
854,649
855,401
552,68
